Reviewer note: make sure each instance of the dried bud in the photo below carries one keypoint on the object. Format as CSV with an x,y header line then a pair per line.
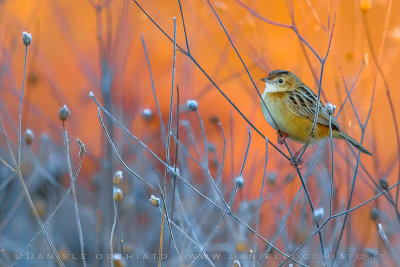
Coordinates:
x,y
318,214
191,105
82,149
64,254
365,5
118,260
240,182
236,263
41,207
172,170
147,114
117,177
29,136
220,6
330,108
271,178
118,195
26,38
371,252
211,147
63,113
240,246
214,119
384,184
155,201
374,214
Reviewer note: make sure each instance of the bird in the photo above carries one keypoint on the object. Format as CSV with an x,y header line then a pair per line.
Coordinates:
x,y
289,107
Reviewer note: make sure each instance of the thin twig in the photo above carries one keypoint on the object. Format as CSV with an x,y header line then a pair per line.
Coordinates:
x,y
159,191
177,175
50,217
76,209
209,78
28,196
332,183
20,111
261,193
335,216
387,243
163,134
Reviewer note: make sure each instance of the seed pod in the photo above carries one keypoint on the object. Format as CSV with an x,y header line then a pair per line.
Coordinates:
x,y
63,113
240,182
192,105
29,136
118,195
365,5
318,215
26,38
330,108
384,184
236,263
117,177
155,201
374,214
147,114
118,260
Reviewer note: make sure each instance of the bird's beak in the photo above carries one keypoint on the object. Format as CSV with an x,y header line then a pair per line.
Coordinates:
x,y
265,80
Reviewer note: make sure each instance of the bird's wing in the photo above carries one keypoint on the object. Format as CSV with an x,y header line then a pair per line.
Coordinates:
x,y
302,102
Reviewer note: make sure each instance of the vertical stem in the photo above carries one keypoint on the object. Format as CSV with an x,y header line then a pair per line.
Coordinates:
x,y
78,222
20,111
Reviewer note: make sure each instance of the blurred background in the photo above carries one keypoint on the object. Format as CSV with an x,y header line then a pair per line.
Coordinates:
x,y
98,46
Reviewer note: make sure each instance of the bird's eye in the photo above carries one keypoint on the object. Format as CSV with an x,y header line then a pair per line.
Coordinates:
x,y
280,81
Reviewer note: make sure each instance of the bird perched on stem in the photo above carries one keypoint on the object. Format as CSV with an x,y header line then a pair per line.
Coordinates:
x,y
289,107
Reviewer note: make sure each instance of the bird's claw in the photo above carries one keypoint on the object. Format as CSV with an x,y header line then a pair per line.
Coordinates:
x,y
296,160
281,137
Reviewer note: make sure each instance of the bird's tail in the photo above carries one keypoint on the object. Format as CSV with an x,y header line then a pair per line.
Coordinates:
x,y
354,143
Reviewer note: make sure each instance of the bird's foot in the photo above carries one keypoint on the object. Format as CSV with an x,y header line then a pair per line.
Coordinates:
x,y
296,160
282,137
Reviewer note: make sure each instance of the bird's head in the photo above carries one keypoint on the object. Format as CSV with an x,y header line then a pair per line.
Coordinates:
x,y
281,81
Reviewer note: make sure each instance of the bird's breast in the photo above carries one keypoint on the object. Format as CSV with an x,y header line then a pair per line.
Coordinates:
x,y
271,108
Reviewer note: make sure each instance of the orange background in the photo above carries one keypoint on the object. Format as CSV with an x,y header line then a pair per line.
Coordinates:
x,y
70,41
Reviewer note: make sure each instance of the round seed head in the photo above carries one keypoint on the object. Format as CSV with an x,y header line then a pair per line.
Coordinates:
x,y
240,246
147,114
271,178
365,5
63,113
214,119
29,136
371,252
374,214
41,207
118,260
211,147
240,182
26,38
330,108
64,254
191,105
318,215
384,184
117,177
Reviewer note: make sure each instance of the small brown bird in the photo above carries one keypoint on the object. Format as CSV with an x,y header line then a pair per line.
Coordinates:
x,y
291,110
